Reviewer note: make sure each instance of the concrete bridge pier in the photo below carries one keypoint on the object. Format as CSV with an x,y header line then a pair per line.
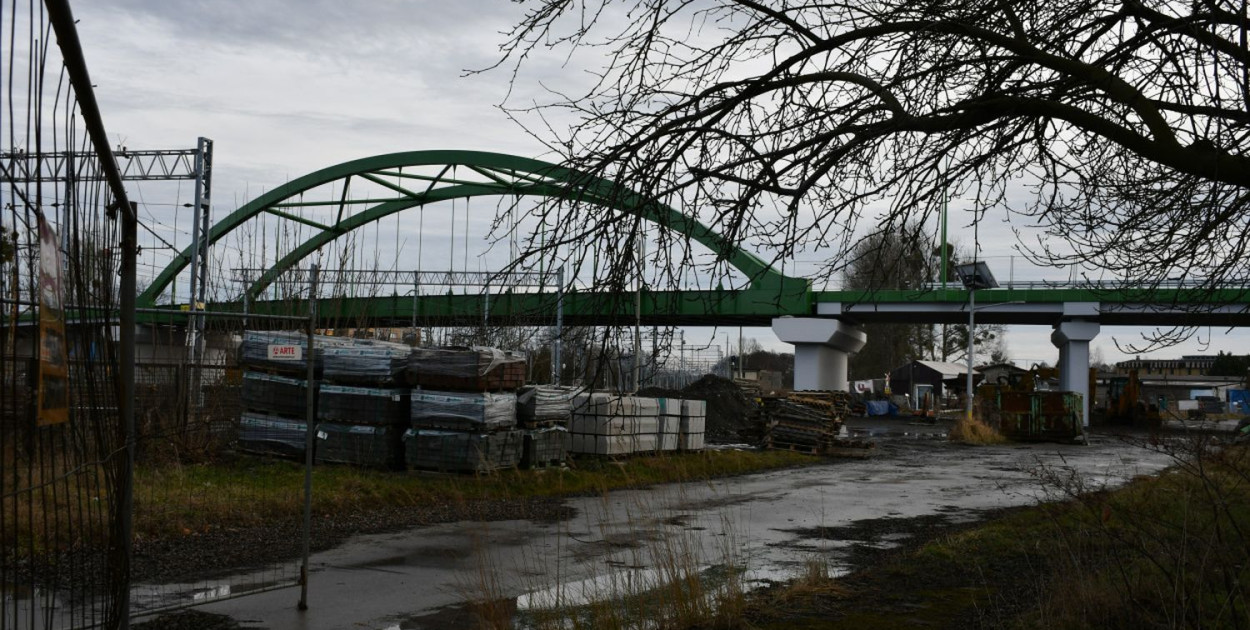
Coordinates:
x,y
1072,338
821,349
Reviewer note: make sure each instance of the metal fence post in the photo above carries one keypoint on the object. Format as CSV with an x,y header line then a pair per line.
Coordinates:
x,y
556,359
126,406
310,437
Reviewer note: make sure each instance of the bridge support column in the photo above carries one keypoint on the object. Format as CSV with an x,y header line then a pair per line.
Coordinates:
x,y
1072,338
821,349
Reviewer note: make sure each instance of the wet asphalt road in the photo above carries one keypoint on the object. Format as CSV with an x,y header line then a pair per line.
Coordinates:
x,y
772,523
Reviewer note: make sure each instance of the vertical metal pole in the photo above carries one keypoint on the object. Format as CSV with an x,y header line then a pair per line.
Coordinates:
x,y
638,319
945,206
742,373
200,221
310,437
416,289
556,357
203,197
196,209
126,405
485,311
681,358
972,307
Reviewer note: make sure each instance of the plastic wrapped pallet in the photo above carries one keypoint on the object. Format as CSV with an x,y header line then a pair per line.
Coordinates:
x,y
254,352
470,369
544,405
365,362
273,394
463,411
460,451
262,433
363,405
358,445
544,447
693,425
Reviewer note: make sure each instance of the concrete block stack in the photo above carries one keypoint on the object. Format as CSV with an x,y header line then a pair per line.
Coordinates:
x,y
611,425
693,425
543,413
669,423
463,411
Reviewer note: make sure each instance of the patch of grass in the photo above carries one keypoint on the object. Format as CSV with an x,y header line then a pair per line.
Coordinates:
x,y
245,492
1162,551
975,431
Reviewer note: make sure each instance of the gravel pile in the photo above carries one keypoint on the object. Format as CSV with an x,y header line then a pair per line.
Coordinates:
x,y
729,409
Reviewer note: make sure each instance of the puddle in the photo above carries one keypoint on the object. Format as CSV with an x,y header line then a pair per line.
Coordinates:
x,y
152,599
914,433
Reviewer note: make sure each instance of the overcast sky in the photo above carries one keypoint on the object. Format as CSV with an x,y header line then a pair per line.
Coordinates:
x,y
285,87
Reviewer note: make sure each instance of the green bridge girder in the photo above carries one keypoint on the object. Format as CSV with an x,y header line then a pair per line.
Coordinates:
x,y
1164,307
504,175
769,294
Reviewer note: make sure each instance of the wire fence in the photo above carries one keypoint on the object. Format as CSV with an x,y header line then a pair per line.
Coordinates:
x,y
63,451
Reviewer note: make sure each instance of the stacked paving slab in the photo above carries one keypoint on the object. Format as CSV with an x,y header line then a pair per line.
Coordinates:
x,y
362,405
385,405
274,393
543,413
361,410
463,411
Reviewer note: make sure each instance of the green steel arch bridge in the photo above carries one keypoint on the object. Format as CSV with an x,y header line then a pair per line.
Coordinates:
x,y
822,324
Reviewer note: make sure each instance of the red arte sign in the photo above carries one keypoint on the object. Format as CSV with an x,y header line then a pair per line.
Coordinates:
x,y
53,394
285,352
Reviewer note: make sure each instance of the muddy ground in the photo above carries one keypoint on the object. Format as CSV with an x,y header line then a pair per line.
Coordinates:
x,y
850,513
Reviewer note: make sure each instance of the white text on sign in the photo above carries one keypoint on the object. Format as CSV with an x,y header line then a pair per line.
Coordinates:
x,y
285,352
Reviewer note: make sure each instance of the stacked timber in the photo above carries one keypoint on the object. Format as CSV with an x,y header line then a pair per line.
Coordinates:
x,y
796,426
811,422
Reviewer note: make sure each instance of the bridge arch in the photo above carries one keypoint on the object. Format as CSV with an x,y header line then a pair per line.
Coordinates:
x,y
501,174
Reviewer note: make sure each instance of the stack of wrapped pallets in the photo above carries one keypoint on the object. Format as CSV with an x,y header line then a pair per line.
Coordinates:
x,y
543,413
274,393
463,409
361,408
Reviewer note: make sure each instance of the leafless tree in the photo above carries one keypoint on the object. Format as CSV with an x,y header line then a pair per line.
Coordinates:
x,y
1108,133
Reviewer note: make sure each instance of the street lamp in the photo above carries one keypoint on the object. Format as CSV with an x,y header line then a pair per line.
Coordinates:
x,y
975,275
